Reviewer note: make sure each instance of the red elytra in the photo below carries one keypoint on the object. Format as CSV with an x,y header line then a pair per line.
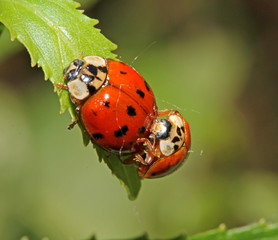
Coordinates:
x,y
117,112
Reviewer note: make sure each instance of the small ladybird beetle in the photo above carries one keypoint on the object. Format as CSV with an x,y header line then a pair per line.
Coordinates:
x,y
166,147
114,102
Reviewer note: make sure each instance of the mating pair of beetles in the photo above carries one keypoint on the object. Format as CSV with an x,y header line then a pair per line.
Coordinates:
x,y
118,110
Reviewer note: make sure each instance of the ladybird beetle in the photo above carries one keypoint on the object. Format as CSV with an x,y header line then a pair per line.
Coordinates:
x,y
114,102
166,147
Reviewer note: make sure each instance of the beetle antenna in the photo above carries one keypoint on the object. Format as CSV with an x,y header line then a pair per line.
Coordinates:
x,y
81,55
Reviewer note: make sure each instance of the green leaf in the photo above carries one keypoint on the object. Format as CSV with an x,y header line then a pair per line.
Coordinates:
x,y
258,231
55,33
127,174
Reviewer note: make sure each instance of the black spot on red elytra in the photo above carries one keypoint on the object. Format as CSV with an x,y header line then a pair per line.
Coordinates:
x,y
142,130
147,85
94,112
175,139
98,136
122,131
122,72
140,93
106,104
131,111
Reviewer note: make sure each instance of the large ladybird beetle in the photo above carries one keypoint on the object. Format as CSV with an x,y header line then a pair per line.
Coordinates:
x,y
166,147
118,109
114,102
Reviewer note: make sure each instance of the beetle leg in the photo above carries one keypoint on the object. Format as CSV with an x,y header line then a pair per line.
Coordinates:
x,y
77,110
152,151
135,158
140,159
147,142
71,126
61,85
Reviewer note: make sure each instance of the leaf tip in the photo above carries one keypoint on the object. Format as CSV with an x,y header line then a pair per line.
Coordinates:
x,y
77,4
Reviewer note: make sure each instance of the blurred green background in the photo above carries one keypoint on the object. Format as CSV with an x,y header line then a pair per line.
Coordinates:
x,y
214,61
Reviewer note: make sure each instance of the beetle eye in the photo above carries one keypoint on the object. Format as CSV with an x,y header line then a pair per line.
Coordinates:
x,y
71,75
78,63
163,128
66,69
87,78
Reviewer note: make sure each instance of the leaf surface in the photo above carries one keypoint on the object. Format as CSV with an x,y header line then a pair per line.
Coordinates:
x,y
55,33
127,174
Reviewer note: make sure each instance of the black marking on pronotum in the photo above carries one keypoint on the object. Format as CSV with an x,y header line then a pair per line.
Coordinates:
x,y
78,63
179,131
106,104
176,147
175,139
92,69
103,69
122,131
147,85
165,132
72,74
86,78
122,72
92,89
141,93
131,111
98,78
142,130
182,128
98,136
